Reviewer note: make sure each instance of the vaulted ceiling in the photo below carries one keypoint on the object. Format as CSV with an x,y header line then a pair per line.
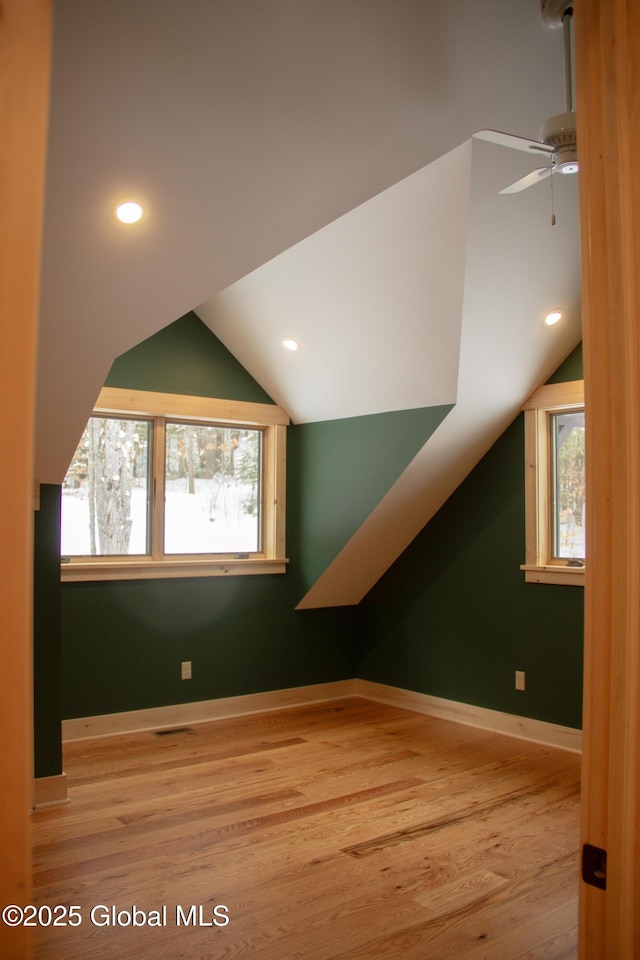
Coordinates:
x,y
307,169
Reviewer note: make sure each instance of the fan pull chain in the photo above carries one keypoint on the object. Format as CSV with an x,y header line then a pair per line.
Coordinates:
x,y
553,213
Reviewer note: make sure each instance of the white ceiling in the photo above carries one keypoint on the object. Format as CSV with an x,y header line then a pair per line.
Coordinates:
x,y
366,298
255,132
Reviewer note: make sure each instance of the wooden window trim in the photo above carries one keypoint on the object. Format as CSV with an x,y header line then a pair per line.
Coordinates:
x,y
547,400
272,419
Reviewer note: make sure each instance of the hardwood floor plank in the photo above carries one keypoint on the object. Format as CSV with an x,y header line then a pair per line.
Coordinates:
x,y
238,827
454,818
174,762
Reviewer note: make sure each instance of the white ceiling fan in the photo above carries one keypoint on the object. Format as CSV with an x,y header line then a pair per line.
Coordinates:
x,y
557,140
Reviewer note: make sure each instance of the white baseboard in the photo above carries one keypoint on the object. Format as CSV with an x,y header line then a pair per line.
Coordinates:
x,y
536,731
50,791
202,711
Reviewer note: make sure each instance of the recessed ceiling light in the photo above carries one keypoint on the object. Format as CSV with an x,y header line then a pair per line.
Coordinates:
x,y
289,343
553,317
129,211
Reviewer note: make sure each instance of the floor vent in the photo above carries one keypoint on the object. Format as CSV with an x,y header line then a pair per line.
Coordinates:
x,y
171,731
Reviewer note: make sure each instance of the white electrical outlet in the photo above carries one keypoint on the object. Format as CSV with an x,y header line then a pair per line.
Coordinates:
x,y
519,679
185,670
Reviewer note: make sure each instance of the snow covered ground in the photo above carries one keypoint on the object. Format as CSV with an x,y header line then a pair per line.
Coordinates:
x,y
194,523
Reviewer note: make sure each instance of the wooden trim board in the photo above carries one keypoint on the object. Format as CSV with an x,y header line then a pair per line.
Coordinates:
x,y
567,393
145,402
50,791
524,728
202,711
537,731
25,41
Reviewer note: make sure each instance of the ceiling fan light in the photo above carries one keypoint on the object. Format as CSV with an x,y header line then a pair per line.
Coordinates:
x,y
569,166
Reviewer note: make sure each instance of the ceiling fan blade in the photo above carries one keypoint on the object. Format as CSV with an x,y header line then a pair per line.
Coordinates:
x,y
508,140
540,174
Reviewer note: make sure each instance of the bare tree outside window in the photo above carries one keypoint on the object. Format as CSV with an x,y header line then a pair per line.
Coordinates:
x,y
105,494
169,485
211,483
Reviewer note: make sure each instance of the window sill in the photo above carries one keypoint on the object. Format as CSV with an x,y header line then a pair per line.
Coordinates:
x,y
568,576
143,569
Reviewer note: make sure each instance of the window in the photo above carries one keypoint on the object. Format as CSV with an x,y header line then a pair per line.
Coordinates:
x,y
163,485
555,484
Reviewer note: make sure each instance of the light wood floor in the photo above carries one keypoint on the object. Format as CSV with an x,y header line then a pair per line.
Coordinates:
x,y
348,831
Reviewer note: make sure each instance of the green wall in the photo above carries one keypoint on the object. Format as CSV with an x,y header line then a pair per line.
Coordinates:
x,y
343,468
46,634
123,641
453,616
185,358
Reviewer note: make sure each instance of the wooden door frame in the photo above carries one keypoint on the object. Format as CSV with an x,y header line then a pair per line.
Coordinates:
x,y
608,111
25,43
